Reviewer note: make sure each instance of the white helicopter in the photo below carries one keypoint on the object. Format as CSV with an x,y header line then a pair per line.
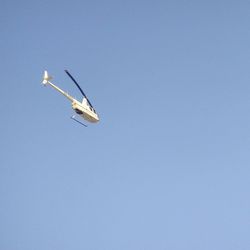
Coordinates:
x,y
84,108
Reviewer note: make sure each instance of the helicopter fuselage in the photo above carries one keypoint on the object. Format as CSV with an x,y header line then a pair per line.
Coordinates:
x,y
85,111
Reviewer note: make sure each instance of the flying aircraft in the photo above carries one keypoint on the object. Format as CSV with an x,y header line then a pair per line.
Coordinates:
x,y
84,109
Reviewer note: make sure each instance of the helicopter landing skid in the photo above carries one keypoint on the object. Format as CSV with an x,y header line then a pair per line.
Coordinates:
x,y
73,118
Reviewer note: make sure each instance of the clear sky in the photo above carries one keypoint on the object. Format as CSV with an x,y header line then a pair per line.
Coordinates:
x,y
167,167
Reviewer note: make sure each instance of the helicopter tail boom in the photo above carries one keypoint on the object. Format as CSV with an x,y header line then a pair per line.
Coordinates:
x,y
46,80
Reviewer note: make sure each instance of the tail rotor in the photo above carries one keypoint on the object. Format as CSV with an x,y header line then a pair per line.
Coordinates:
x,y
46,77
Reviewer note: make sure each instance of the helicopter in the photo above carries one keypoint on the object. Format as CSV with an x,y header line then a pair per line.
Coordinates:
x,y
84,109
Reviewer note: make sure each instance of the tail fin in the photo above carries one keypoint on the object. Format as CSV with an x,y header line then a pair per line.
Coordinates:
x,y
46,77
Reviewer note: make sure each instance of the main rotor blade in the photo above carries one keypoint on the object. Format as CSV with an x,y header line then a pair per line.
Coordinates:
x,y
78,86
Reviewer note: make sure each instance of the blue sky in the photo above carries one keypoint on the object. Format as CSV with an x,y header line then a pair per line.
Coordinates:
x,y
167,167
